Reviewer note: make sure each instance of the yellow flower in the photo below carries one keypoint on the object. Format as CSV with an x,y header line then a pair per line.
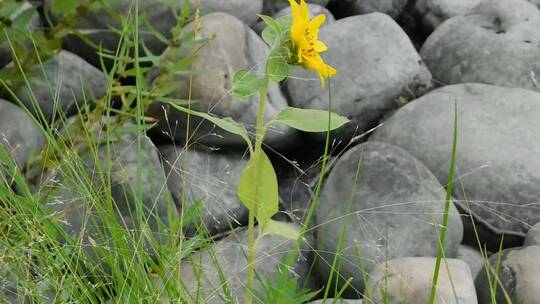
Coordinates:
x,y
304,36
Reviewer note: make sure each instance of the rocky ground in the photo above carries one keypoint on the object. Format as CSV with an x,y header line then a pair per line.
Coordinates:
x,y
406,70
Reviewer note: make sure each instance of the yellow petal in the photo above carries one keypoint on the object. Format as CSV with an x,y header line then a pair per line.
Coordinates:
x,y
329,71
317,64
320,46
316,23
295,9
304,9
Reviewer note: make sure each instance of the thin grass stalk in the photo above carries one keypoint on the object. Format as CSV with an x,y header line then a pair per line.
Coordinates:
x,y
448,201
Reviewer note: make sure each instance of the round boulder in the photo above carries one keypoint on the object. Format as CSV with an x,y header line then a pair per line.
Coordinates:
x,y
434,12
273,6
201,272
74,83
518,279
125,165
96,22
234,47
387,205
498,43
209,179
18,133
245,10
357,7
472,257
497,167
409,280
533,236
375,67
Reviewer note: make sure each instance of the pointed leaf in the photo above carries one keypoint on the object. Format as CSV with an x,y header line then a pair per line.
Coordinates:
x,y
258,188
309,120
228,124
22,21
285,230
272,31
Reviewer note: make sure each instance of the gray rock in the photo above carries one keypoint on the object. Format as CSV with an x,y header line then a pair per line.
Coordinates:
x,y
209,179
96,24
435,12
533,236
357,7
497,167
200,273
273,6
518,276
18,133
5,48
535,2
497,43
136,179
235,46
75,84
390,212
472,257
245,10
314,10
409,280
295,197
375,67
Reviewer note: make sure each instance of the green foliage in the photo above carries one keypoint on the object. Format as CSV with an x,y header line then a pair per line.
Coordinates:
x,y
258,189
117,260
284,289
309,120
277,67
277,30
277,36
64,7
247,84
228,124
287,231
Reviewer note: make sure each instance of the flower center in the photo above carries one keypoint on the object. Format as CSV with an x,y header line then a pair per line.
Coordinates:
x,y
311,40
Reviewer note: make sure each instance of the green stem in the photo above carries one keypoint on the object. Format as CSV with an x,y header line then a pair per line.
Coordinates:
x,y
251,222
448,201
291,258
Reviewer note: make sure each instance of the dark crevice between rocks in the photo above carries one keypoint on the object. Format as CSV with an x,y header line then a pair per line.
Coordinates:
x,y
489,236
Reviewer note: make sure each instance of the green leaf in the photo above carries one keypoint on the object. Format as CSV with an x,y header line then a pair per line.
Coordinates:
x,y
258,188
276,67
285,230
284,23
246,84
228,124
186,10
64,7
272,31
22,21
9,8
309,120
